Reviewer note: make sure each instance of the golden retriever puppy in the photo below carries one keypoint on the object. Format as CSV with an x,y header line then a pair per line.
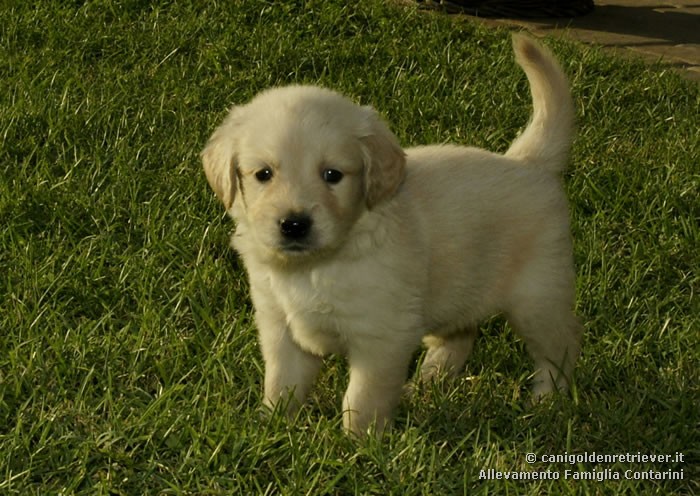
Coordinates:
x,y
356,246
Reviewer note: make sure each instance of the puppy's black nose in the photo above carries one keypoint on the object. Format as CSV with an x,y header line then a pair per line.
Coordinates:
x,y
295,226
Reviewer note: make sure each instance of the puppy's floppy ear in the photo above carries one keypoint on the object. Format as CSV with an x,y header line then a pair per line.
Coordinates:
x,y
385,160
218,158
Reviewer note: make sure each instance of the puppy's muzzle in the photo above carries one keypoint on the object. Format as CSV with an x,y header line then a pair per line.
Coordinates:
x,y
295,229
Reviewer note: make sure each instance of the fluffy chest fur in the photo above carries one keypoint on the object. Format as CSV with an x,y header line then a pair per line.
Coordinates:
x,y
329,307
365,293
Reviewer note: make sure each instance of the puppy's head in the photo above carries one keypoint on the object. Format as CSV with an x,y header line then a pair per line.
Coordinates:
x,y
297,166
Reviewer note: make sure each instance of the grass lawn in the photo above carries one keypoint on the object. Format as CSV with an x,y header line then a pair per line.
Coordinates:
x,y
128,357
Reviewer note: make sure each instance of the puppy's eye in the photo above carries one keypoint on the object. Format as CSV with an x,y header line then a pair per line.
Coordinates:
x,y
332,176
264,175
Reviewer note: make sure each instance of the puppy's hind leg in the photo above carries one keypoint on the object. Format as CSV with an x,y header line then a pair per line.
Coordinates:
x,y
447,354
552,335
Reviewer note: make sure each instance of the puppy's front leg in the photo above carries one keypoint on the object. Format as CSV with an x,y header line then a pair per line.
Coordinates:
x,y
377,376
288,368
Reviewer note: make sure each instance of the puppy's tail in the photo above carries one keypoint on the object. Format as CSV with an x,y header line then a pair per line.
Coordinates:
x,y
546,140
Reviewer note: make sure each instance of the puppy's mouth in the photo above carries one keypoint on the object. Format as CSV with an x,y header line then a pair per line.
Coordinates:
x,y
295,247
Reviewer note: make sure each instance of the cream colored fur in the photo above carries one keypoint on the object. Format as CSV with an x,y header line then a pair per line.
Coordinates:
x,y
406,245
